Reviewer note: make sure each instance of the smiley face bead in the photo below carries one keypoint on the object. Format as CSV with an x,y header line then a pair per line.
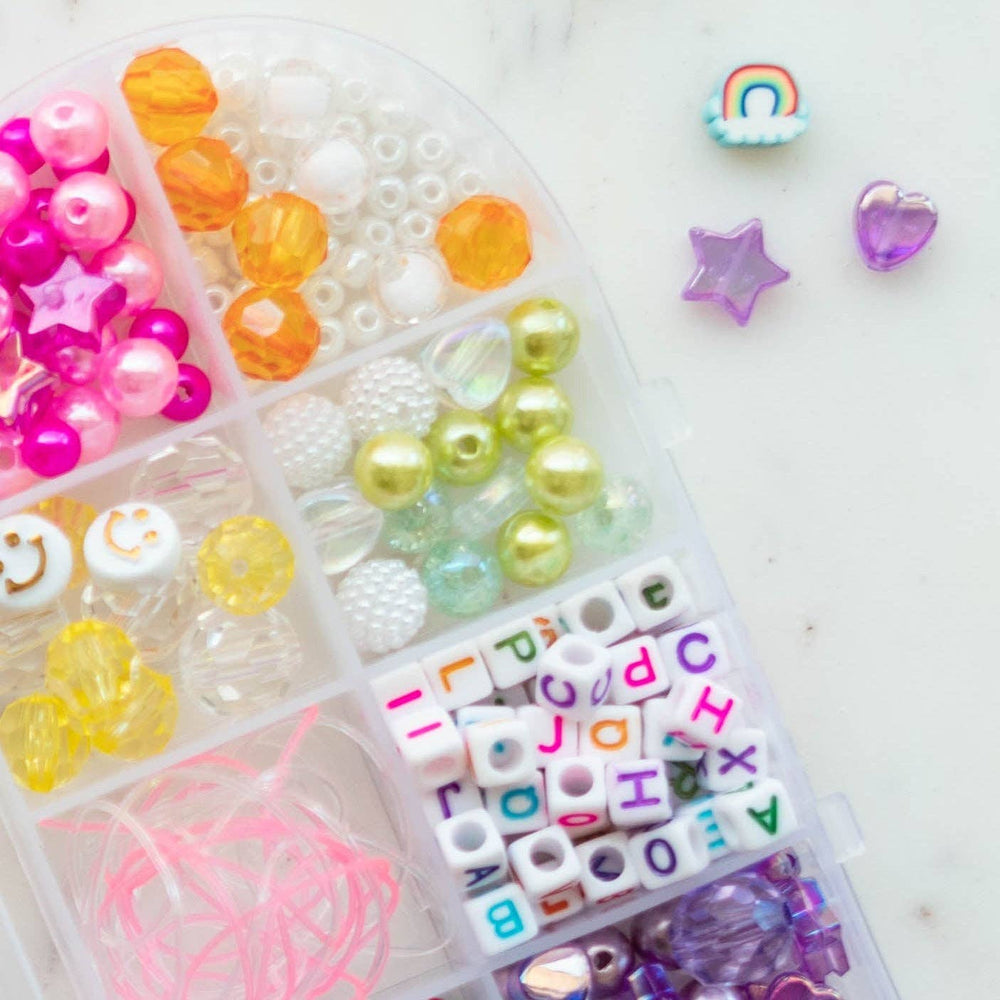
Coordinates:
x,y
36,563
134,546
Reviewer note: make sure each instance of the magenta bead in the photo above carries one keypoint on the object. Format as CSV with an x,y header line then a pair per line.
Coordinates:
x,y
6,313
50,447
14,474
15,138
138,377
29,249
15,189
100,166
130,218
93,418
69,129
194,393
38,203
134,267
163,325
79,365
88,211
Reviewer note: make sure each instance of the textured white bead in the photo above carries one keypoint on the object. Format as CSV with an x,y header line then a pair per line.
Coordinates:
x,y
544,862
311,439
574,677
384,603
390,393
473,849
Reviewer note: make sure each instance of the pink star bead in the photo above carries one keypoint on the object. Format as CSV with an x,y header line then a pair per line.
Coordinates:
x,y
20,378
732,270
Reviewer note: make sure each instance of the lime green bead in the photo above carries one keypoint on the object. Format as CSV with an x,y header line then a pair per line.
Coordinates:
x,y
393,470
534,548
531,410
465,447
564,475
544,336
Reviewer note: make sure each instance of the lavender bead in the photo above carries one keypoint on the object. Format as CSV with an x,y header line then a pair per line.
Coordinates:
x,y
701,991
650,982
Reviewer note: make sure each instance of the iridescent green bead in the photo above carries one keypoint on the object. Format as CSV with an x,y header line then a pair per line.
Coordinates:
x,y
531,410
619,519
414,530
462,578
544,334
564,475
534,548
465,447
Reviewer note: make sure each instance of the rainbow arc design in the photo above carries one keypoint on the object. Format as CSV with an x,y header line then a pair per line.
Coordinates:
x,y
756,105
742,81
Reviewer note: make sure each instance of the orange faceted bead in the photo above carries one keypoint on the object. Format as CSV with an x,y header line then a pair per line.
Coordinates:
x,y
272,334
280,240
170,95
485,241
205,184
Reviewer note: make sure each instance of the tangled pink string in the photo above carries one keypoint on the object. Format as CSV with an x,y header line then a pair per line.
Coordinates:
x,y
216,881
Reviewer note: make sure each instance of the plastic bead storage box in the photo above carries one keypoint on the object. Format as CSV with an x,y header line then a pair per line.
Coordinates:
x,y
356,634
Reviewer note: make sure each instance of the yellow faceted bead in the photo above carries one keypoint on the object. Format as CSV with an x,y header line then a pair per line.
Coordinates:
x,y
246,565
204,182
44,745
73,517
564,475
485,241
170,95
465,447
271,333
532,410
534,548
279,240
544,336
144,720
89,665
393,470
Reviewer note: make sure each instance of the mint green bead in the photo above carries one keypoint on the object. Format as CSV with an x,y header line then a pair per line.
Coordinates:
x,y
619,519
415,529
462,578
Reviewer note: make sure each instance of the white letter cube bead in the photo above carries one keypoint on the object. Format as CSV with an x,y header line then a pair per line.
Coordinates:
x,y
457,676
756,816
134,546
637,670
607,866
500,753
558,905
403,690
501,918
669,853
473,848
544,862
658,739
512,697
554,736
431,745
449,800
512,652
701,812
704,712
519,808
36,563
743,758
637,792
655,594
598,614
613,733
469,715
548,624
576,794
697,650
574,677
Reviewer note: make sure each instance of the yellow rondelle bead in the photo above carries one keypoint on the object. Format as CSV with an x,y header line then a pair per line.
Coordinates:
x,y
144,720
44,745
73,517
204,182
246,565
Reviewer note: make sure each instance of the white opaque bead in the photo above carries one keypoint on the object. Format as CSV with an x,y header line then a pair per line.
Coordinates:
x,y
501,918
388,152
336,175
754,818
599,613
669,853
415,228
576,792
701,813
351,125
431,745
324,295
742,758
353,266
637,670
267,175
432,150
554,736
237,81
655,594
469,715
638,794
544,862
365,324
219,298
235,134
518,808
134,546
453,799
658,739
512,652
388,197
574,677
465,181
698,650
209,263
457,676
500,753
429,192
704,713
607,868
297,97
410,285
473,849
558,905
375,234
391,115
613,732
342,223
36,563
403,691
332,337
355,93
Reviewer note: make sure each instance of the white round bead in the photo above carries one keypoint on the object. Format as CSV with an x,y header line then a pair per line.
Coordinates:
x,y
415,228
432,150
388,197
36,563
365,324
429,192
388,152
267,175
375,234
411,286
310,437
134,546
389,394
353,265
335,175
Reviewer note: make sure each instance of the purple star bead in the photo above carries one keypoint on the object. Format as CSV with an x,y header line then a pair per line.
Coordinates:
x,y
732,269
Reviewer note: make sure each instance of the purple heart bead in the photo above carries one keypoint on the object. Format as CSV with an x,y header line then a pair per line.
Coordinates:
x,y
892,226
795,986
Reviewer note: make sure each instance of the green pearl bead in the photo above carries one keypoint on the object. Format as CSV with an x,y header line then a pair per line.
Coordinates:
x,y
534,548
531,410
544,336
393,470
465,447
564,475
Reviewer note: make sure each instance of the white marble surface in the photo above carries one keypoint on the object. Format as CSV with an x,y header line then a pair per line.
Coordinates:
x,y
844,459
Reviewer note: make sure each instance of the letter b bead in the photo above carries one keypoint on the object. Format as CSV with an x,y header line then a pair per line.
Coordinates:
x,y
574,677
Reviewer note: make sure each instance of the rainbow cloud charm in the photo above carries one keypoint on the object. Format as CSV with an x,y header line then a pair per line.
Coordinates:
x,y
758,105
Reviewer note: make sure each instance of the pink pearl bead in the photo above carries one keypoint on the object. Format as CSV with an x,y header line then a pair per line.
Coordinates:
x,y
88,211
14,474
138,377
15,189
15,138
100,166
194,393
136,269
79,365
38,203
165,326
92,417
69,129
50,447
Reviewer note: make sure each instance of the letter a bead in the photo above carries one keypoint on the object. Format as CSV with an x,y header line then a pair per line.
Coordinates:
x,y
755,817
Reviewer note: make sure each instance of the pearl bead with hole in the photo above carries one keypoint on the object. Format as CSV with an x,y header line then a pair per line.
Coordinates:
x,y
574,677
598,613
473,849
500,752
544,862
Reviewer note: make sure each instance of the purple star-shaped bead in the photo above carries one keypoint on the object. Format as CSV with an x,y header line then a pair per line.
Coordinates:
x,y
732,269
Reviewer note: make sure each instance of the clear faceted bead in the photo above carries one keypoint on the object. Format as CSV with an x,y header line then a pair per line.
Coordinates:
x,y
472,364
499,499
233,665
343,525
413,530
389,394
619,519
384,603
310,437
24,634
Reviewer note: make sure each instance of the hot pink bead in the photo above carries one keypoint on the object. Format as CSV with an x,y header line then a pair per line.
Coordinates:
x,y
15,138
38,203
14,474
98,166
93,418
50,447
136,269
138,377
15,189
165,326
69,129
29,249
88,211
6,312
130,218
194,393
79,365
